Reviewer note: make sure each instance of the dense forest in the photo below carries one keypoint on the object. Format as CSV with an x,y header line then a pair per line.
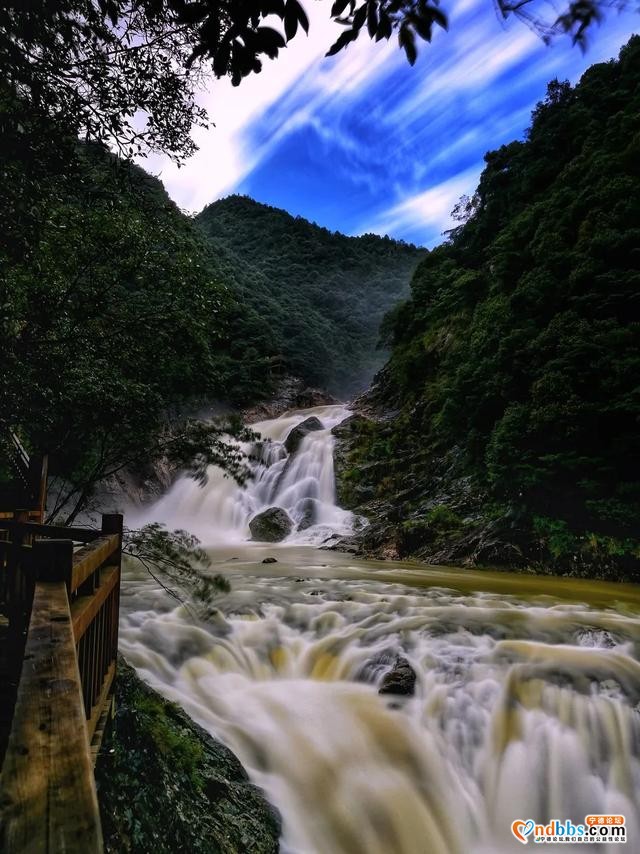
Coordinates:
x,y
322,294
516,360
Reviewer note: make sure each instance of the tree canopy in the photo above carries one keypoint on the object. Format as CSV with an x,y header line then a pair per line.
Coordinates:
x,y
114,318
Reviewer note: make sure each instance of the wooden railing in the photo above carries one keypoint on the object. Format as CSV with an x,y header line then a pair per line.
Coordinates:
x,y
62,587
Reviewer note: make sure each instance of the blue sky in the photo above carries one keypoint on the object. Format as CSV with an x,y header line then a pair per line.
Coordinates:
x,y
363,142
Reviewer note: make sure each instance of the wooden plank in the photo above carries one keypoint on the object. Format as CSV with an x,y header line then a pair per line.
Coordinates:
x,y
60,532
90,557
108,713
48,799
85,608
102,702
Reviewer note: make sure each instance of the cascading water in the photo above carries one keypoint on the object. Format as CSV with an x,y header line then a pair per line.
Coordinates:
x,y
526,703
220,511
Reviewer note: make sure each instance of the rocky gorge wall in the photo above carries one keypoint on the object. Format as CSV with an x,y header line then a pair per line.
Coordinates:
x,y
433,509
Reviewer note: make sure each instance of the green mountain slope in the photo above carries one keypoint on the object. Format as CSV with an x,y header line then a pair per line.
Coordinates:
x,y
114,312
517,359
322,294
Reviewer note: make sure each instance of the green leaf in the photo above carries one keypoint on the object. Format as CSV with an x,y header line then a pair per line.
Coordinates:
x,y
384,26
372,18
338,7
407,41
360,17
342,41
302,19
290,19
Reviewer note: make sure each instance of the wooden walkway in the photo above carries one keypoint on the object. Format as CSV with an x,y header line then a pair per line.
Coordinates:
x,y
59,597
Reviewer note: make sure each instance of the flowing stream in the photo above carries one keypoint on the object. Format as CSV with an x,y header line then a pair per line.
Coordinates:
x,y
527,694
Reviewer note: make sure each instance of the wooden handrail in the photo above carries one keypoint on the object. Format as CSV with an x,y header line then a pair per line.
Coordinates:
x,y
19,450
36,529
91,557
85,608
7,516
48,790
29,487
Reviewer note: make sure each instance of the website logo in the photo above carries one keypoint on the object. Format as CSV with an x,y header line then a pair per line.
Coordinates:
x,y
596,828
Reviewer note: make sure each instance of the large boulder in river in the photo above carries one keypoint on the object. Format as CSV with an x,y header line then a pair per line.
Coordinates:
x,y
295,437
271,525
401,679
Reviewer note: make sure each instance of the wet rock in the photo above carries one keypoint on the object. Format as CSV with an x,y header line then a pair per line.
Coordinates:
x,y
350,426
401,679
271,525
309,509
595,638
290,393
295,437
348,545
310,397
270,560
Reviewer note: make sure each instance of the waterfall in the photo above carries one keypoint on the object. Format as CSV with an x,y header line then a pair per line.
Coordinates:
x,y
526,701
219,512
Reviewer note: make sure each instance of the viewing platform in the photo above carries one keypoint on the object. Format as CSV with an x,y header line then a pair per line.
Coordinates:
x,y
59,610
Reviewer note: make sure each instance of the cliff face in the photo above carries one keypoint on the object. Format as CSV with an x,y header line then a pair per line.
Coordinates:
x,y
430,507
165,785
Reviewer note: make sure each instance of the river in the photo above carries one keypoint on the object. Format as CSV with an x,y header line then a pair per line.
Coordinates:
x,y
527,692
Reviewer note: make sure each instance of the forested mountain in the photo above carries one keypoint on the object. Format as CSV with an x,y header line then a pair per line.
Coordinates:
x,y
321,293
516,361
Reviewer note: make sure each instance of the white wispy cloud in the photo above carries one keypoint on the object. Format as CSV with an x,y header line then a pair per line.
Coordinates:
x,y
428,211
288,93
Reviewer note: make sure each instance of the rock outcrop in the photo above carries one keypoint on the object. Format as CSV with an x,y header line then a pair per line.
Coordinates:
x,y
300,431
165,785
291,393
400,679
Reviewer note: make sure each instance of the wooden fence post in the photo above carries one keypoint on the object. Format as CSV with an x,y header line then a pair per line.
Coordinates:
x,y
112,523
38,471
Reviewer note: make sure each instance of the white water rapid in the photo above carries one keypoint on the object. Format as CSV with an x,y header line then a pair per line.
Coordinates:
x,y
527,694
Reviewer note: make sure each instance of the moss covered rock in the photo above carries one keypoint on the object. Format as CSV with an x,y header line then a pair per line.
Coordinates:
x,y
165,785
